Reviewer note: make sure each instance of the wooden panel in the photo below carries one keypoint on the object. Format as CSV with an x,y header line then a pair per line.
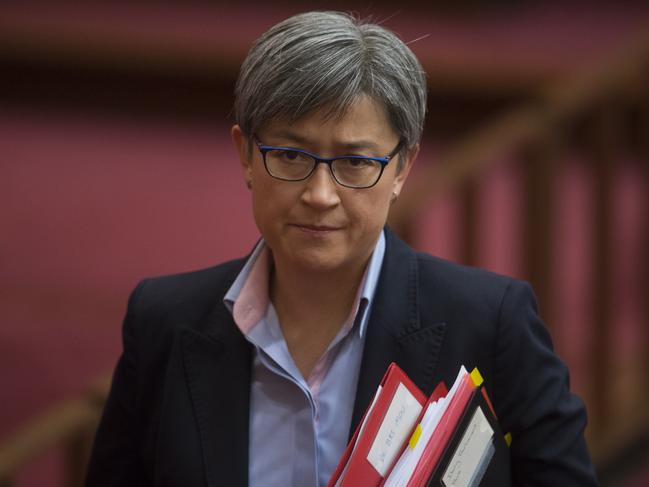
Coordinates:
x,y
605,144
54,428
470,216
539,170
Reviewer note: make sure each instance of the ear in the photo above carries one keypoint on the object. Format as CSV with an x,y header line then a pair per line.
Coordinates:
x,y
240,142
401,177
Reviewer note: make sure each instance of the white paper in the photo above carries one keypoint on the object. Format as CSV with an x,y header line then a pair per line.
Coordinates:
x,y
406,464
397,424
470,453
369,413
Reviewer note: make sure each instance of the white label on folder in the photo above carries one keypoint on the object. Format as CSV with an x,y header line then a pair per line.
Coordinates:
x,y
470,456
393,432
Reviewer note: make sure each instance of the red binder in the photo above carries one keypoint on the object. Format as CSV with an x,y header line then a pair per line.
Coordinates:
x,y
439,392
447,425
465,444
493,466
381,434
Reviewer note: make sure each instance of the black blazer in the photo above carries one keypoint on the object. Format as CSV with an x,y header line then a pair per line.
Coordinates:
x,y
178,409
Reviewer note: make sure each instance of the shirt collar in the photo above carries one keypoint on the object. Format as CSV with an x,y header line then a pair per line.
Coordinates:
x,y
252,285
370,281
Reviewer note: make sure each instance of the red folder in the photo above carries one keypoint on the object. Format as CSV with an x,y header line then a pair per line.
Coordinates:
x,y
385,433
354,468
458,465
440,438
439,392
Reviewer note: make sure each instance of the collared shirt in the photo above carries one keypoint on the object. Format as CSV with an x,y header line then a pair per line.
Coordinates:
x,y
298,426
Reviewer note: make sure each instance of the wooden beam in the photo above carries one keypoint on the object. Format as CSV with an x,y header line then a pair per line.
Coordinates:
x,y
605,143
470,218
51,429
539,177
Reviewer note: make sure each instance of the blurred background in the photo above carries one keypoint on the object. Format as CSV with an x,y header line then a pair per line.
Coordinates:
x,y
116,164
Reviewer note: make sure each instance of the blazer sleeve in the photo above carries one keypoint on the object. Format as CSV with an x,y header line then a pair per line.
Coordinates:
x,y
114,459
536,406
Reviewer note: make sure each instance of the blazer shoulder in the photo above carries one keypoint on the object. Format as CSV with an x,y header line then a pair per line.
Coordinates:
x,y
194,285
482,310
460,282
183,298
438,277
458,295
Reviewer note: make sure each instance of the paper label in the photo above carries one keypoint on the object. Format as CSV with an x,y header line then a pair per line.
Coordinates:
x,y
399,420
472,454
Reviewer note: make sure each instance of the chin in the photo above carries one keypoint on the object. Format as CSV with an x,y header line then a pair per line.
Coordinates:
x,y
315,261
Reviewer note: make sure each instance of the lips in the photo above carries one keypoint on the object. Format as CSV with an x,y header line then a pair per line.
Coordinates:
x,y
316,229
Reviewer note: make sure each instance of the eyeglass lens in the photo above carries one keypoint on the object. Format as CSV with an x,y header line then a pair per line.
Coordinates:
x,y
295,165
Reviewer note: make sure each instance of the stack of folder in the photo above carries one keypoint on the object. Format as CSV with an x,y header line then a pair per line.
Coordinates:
x,y
405,439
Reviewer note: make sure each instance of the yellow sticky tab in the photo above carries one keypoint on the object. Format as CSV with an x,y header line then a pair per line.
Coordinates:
x,y
415,436
476,377
508,439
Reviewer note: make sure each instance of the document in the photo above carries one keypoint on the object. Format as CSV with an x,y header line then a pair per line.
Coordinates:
x,y
385,427
410,458
394,430
472,454
450,439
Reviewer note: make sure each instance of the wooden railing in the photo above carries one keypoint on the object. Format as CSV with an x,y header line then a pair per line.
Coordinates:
x,y
69,426
604,111
595,106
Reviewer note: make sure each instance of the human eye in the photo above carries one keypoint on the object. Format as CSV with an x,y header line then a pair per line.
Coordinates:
x,y
289,156
356,163
356,171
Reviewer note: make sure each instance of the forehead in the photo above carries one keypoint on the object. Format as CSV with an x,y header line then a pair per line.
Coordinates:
x,y
364,120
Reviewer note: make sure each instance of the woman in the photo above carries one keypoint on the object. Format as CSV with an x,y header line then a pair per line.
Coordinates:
x,y
255,371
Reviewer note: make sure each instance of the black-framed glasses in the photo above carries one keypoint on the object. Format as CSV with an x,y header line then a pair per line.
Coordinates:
x,y
289,164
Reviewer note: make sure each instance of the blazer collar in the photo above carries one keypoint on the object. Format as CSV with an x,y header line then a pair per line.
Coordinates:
x,y
395,331
217,361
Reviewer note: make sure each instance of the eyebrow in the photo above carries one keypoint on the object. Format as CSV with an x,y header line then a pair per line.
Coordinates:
x,y
352,145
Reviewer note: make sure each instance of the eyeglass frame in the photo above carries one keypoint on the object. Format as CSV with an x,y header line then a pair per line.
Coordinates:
x,y
264,149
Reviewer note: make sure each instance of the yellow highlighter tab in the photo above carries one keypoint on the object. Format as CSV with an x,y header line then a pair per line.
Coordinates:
x,y
476,377
415,437
508,438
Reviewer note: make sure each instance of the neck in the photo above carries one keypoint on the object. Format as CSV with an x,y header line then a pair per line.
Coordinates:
x,y
312,307
311,295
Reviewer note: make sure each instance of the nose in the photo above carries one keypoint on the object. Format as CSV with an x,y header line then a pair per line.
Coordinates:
x,y
321,191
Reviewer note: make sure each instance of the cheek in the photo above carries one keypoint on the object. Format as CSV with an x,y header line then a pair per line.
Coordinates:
x,y
381,203
262,208
371,211
271,203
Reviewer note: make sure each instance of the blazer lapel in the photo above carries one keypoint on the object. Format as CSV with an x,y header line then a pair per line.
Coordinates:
x,y
218,367
395,332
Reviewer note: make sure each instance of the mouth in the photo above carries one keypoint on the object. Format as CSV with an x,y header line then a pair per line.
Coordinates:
x,y
316,229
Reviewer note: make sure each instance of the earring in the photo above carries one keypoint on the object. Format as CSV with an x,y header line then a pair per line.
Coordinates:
x,y
394,197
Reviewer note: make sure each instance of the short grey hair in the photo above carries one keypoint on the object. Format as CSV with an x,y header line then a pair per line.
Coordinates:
x,y
326,60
